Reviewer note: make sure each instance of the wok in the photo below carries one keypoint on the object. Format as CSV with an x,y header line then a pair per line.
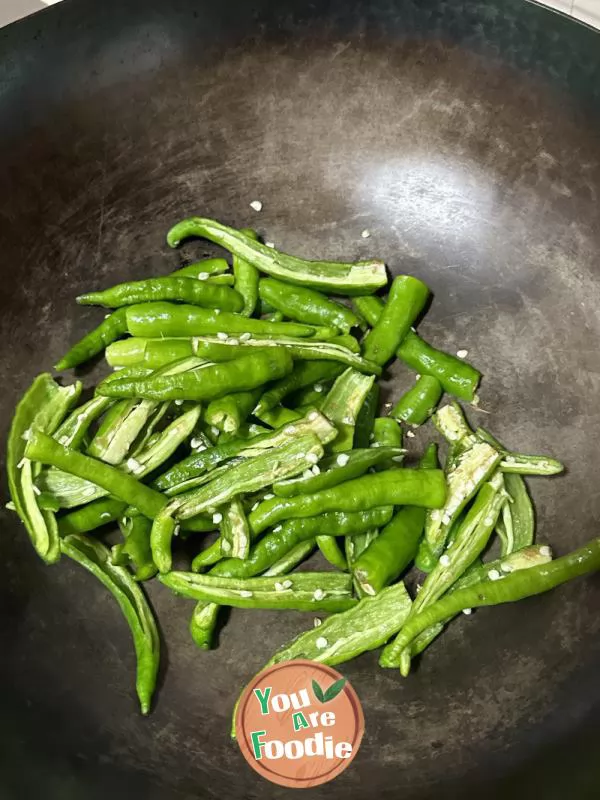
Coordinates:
x,y
464,136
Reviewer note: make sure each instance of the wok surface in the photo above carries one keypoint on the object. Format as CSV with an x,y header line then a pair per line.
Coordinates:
x,y
464,136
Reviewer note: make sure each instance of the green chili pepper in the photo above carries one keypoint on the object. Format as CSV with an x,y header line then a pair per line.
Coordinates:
x,y
132,353
73,430
91,516
111,328
135,551
230,412
405,302
95,557
418,403
332,552
393,487
119,429
202,624
278,417
294,557
43,406
182,289
276,544
235,534
344,636
386,433
329,276
202,461
207,557
305,373
306,591
156,352
44,449
251,475
337,469
514,586
222,280
470,541
306,305
343,403
386,558
356,545
363,429
167,319
164,444
456,376
531,556
521,463
472,469
246,278
202,270
209,381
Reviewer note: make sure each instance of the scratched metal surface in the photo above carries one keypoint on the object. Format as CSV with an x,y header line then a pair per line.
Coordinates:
x,y
463,136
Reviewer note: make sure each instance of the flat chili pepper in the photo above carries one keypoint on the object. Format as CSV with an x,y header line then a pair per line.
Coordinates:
x,y
306,305
95,557
200,462
156,320
44,449
363,430
73,430
329,276
405,302
393,487
305,591
521,463
419,402
251,475
119,429
111,328
344,636
246,278
43,406
235,534
305,373
515,586
91,516
209,381
343,403
291,559
337,469
456,376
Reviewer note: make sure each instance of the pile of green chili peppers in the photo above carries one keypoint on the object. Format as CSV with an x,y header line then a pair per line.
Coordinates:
x,y
244,403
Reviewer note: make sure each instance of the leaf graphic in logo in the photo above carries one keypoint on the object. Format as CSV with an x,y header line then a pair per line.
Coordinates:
x,y
318,692
334,690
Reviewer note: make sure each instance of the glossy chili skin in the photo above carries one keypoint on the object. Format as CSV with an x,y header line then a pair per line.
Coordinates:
x,y
405,302
110,329
203,270
178,288
91,516
395,548
456,376
156,320
246,278
209,382
393,487
419,402
363,430
305,373
44,449
306,305
336,469
362,277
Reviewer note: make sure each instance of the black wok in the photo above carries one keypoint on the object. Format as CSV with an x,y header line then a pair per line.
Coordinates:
x,y
465,137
